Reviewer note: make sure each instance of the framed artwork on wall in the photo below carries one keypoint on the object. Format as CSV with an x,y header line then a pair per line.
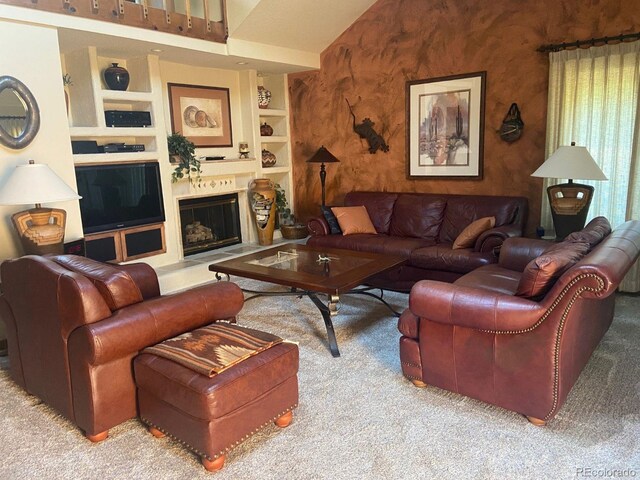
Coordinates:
x,y
202,114
445,127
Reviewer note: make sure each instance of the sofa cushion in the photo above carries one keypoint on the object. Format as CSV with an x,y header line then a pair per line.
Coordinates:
x,y
353,220
593,233
468,236
331,219
541,273
418,216
116,287
491,277
443,257
378,204
463,210
371,243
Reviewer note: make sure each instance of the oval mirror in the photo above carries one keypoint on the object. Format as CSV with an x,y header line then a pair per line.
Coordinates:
x,y
19,113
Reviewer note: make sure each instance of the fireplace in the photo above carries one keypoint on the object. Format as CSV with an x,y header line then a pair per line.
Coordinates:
x,y
209,223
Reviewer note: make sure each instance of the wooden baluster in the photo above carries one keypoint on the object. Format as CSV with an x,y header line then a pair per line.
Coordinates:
x,y
187,4
145,9
207,20
169,7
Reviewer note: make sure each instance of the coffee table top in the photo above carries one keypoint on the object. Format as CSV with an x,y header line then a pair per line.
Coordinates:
x,y
326,270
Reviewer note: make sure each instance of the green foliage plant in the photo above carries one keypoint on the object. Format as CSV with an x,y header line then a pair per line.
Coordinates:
x,y
188,165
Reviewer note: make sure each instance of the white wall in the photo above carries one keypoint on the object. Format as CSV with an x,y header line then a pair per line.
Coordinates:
x,y
31,54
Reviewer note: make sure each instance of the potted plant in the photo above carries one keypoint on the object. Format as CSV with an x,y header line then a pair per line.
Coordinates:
x,y
284,217
188,165
66,82
289,229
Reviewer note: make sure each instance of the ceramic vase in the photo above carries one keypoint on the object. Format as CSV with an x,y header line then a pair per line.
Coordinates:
x,y
116,78
264,97
262,195
266,130
268,159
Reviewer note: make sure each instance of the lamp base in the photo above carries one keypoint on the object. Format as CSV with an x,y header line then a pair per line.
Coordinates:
x,y
569,207
41,230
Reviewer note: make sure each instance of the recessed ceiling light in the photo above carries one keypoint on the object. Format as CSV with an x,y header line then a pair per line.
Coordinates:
x,y
242,63
156,50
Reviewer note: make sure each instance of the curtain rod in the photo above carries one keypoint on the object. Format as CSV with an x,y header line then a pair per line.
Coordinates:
x,y
591,42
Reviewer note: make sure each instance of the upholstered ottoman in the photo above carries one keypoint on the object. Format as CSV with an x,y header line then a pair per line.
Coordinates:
x,y
211,415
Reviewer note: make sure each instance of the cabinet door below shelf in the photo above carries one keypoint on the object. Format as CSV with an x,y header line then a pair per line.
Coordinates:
x,y
127,244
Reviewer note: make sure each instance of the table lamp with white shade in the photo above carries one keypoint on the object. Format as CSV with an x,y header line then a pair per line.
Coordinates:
x,y
41,230
570,201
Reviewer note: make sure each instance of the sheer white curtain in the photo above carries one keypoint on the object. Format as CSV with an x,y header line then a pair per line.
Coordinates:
x,y
594,101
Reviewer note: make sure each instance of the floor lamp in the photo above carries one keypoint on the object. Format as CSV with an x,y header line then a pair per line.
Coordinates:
x,y
323,156
41,230
570,201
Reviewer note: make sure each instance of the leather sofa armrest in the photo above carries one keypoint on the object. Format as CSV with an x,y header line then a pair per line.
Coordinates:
x,y
318,226
492,238
473,307
138,326
145,277
516,252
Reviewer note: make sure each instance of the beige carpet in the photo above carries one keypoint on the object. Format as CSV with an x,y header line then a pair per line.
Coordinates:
x,y
360,419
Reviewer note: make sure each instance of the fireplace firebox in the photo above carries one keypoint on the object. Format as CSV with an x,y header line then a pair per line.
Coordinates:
x,y
209,223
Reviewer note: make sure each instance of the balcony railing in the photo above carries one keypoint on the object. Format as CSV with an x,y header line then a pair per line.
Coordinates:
x,y
204,19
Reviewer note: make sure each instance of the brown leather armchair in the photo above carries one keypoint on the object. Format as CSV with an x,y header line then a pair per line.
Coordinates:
x,y
478,338
74,326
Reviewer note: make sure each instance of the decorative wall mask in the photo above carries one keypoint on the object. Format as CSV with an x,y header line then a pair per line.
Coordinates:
x,y
19,113
512,125
365,130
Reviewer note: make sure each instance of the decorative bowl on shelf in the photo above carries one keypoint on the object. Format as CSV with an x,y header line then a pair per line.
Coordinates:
x,y
266,130
268,159
264,97
294,232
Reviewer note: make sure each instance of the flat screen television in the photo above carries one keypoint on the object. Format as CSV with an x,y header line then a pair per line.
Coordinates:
x,y
119,195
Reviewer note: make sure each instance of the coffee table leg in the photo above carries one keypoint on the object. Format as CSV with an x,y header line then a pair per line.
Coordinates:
x,y
327,312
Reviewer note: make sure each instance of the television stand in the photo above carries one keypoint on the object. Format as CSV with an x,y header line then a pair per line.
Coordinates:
x,y
126,244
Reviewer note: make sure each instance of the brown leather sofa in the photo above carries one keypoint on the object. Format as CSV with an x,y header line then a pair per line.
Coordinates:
x,y
422,228
74,326
477,338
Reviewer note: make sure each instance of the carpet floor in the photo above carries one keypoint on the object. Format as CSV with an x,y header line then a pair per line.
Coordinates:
x,y
359,418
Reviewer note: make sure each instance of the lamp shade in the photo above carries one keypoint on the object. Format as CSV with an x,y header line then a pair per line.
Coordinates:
x,y
323,156
570,162
35,183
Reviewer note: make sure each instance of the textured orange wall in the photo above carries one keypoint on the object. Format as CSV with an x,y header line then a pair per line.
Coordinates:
x,y
400,40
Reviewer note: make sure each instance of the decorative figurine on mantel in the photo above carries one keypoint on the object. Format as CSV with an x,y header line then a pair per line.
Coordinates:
x,y
243,149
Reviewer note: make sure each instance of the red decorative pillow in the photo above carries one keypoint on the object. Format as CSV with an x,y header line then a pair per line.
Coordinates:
x,y
470,234
541,273
353,220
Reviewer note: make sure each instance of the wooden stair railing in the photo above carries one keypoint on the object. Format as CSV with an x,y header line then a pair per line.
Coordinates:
x,y
141,15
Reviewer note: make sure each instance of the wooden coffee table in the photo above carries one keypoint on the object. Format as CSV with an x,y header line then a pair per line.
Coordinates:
x,y
312,271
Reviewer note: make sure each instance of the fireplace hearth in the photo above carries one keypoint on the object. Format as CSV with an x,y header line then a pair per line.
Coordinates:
x,y
209,223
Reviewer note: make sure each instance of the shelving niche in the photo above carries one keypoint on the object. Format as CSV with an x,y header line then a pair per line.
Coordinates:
x,y
89,97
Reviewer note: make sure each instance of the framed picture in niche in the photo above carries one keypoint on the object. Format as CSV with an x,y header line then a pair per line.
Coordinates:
x,y
445,127
202,114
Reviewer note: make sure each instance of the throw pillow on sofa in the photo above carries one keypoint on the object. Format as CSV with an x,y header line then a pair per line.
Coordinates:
x,y
470,234
542,272
353,220
331,219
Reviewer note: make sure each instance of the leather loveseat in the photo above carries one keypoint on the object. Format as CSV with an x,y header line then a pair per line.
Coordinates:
x,y
74,326
478,338
422,228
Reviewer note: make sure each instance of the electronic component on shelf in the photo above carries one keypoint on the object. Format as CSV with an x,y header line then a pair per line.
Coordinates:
x,y
215,158
122,147
84,146
125,118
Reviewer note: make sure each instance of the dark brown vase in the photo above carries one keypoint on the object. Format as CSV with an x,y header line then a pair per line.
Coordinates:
x,y
266,130
116,78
